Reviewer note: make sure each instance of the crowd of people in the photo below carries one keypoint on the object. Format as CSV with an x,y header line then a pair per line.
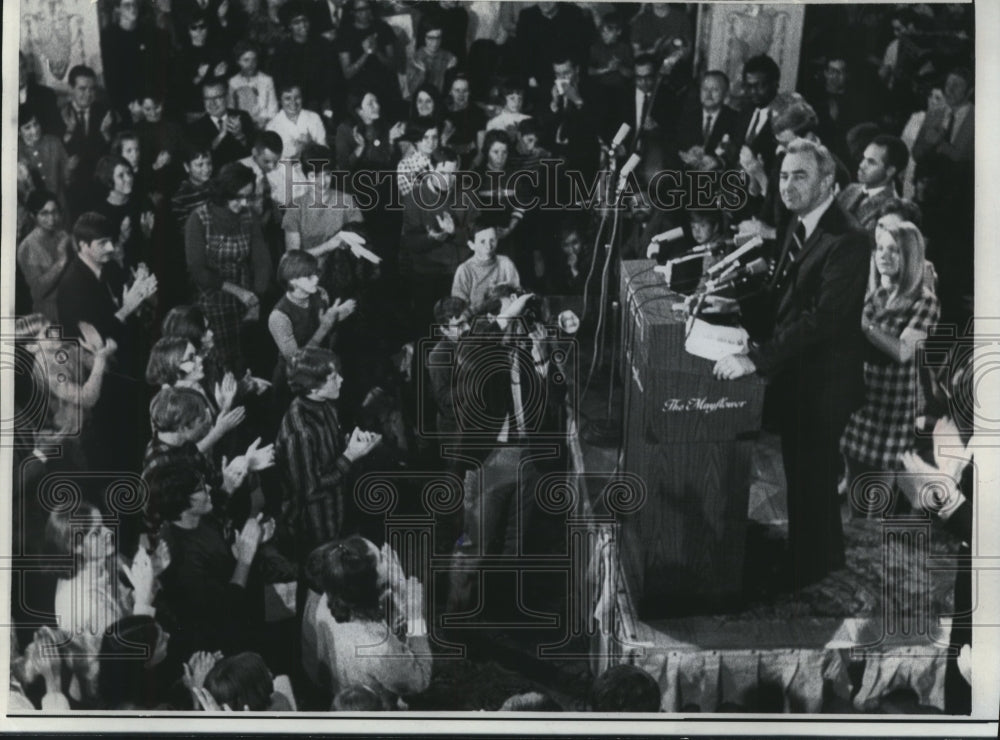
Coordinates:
x,y
251,270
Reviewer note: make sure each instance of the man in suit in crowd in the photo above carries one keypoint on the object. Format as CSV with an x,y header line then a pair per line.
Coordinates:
x,y
883,160
761,76
813,358
229,132
572,122
88,124
707,123
948,132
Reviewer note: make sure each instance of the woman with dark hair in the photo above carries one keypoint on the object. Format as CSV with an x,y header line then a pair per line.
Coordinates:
x,y
364,140
43,254
130,214
463,120
366,47
228,260
189,322
900,309
504,202
426,105
202,58
132,653
356,628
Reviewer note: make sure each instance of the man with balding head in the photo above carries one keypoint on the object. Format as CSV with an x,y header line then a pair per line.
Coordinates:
x,y
813,357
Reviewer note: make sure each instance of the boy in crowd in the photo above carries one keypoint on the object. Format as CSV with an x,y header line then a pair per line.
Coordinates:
x,y
484,269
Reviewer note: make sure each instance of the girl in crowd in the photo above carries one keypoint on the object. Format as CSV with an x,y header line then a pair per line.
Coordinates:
x,y
364,140
899,311
95,597
464,119
296,126
228,260
242,682
426,106
201,59
130,214
43,253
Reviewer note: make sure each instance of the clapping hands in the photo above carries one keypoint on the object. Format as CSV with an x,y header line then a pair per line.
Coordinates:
x,y
361,443
225,392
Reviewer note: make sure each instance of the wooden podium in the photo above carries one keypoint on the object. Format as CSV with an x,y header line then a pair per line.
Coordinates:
x,y
689,437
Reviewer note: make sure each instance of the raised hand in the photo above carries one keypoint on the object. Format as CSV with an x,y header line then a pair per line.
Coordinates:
x,y
229,420
259,458
197,667
234,473
248,540
225,392
344,308
142,577
446,222
361,443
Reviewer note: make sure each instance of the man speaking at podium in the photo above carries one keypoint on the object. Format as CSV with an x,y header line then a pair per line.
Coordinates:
x,y
813,358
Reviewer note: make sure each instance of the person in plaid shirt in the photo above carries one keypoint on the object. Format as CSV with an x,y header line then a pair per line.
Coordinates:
x,y
900,307
425,140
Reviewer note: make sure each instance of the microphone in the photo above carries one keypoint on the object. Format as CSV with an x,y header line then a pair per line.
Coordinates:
x,y
737,240
758,267
627,168
623,131
665,236
754,242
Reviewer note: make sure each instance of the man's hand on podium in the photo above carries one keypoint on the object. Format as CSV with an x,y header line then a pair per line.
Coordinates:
x,y
732,367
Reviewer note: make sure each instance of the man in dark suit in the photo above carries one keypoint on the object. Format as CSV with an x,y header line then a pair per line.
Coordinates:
x,y
761,76
813,358
883,160
228,132
572,121
710,121
88,126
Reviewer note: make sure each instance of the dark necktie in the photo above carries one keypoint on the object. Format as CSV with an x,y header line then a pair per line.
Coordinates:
x,y
795,245
81,121
707,128
798,239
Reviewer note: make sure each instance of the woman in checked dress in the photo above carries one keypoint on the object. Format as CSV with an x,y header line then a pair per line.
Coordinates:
x,y
900,307
228,260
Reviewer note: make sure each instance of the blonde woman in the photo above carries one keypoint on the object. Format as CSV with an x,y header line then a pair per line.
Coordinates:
x,y
900,308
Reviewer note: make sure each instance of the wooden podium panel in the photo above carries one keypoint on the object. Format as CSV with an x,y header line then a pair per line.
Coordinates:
x,y
689,437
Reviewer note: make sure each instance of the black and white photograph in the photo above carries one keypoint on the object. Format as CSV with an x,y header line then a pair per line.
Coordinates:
x,y
488,366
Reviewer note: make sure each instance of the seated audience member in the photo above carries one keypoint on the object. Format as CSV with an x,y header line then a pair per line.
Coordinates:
x,y
429,62
96,597
425,138
228,132
320,230
354,588
711,125
426,106
885,159
357,697
250,89
947,134
303,316
531,701
61,664
464,119
296,126
527,154
131,675
566,269
611,56
43,155
484,269
44,253
512,93
216,604
243,682
625,688
314,462
364,139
